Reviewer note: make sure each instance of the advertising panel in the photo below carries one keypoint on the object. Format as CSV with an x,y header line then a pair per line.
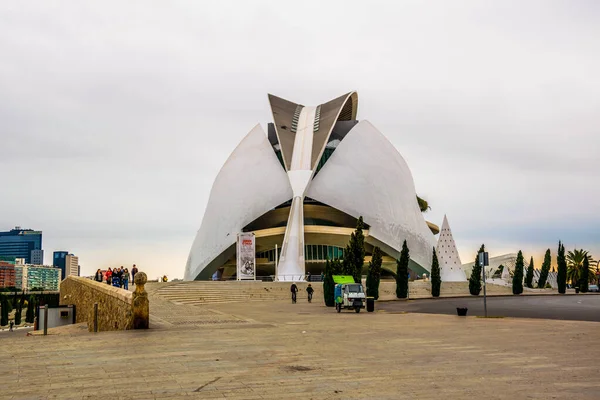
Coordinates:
x,y
246,256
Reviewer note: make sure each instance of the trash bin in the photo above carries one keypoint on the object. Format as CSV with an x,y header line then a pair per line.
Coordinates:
x,y
370,304
461,311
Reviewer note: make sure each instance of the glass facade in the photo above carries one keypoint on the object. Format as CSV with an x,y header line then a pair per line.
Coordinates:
x,y
59,261
19,243
312,252
29,277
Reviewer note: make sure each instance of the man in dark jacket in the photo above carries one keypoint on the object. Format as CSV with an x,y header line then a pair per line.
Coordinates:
x,y
294,290
134,271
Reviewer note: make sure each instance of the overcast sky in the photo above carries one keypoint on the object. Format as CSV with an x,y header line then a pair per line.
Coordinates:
x,y
115,117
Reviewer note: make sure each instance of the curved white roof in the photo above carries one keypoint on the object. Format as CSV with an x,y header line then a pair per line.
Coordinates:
x,y
250,183
366,176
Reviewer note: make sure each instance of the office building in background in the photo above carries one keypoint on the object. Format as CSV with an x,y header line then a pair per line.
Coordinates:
x,y
68,263
21,243
29,277
7,274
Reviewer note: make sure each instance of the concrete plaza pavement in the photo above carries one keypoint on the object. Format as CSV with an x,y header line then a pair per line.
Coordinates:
x,y
276,350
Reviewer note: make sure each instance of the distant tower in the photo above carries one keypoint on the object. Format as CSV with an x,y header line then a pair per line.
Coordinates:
x,y
450,265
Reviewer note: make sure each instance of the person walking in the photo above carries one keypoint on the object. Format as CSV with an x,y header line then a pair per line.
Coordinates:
x,y
134,271
310,292
126,279
98,277
294,290
108,276
121,271
116,280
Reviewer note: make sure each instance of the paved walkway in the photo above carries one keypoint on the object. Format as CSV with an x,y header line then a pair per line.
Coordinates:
x,y
307,351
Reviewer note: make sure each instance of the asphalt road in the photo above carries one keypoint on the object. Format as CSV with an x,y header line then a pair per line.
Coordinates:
x,y
568,307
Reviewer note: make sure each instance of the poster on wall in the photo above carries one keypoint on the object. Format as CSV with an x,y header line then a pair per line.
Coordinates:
x,y
246,256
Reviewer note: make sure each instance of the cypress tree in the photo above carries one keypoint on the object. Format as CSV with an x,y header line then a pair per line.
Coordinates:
x,y
529,276
19,309
436,279
561,263
4,312
584,276
402,273
545,270
517,283
374,275
328,285
29,315
475,279
354,257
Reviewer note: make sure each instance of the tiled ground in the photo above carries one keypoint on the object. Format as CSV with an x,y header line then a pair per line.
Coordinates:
x,y
306,351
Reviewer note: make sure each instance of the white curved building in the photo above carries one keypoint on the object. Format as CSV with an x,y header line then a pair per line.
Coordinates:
x,y
301,188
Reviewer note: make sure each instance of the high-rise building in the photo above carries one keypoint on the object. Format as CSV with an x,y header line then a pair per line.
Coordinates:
x,y
71,265
59,261
37,257
20,243
45,277
7,274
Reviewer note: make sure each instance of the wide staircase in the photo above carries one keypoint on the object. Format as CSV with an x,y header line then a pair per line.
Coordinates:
x,y
208,292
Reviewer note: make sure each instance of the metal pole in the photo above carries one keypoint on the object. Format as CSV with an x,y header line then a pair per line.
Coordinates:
x,y
276,259
484,293
95,317
45,319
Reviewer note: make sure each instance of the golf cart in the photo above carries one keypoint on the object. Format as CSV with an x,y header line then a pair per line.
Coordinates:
x,y
348,294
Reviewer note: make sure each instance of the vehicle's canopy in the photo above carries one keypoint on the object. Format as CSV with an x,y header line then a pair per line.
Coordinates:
x,y
343,279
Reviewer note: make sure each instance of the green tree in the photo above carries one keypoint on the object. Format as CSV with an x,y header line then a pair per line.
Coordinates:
x,y
475,279
423,204
436,279
354,256
584,277
402,272
328,285
374,274
517,283
30,314
561,263
529,276
4,312
19,311
545,270
575,266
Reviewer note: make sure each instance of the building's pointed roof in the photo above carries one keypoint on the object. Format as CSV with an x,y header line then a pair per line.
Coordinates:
x,y
450,265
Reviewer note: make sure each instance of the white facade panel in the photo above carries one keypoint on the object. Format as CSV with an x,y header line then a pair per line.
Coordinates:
x,y
367,176
251,182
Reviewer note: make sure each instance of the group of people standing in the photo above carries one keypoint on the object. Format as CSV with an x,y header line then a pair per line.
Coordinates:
x,y
117,277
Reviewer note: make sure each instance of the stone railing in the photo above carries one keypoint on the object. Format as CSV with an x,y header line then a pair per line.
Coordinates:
x,y
118,309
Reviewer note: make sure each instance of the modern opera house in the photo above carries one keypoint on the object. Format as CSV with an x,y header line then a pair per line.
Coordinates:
x,y
300,189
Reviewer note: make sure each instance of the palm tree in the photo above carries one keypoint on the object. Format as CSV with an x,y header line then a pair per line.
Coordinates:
x,y
575,265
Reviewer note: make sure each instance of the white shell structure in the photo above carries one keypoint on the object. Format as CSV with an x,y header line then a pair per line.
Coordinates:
x,y
238,196
448,258
300,190
366,176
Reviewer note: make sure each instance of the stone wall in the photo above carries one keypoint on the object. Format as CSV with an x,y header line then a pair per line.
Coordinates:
x,y
115,305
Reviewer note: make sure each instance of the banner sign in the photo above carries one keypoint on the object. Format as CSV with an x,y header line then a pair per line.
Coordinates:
x,y
246,256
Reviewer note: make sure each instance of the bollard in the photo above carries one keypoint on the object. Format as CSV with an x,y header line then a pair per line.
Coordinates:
x,y
45,319
95,317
